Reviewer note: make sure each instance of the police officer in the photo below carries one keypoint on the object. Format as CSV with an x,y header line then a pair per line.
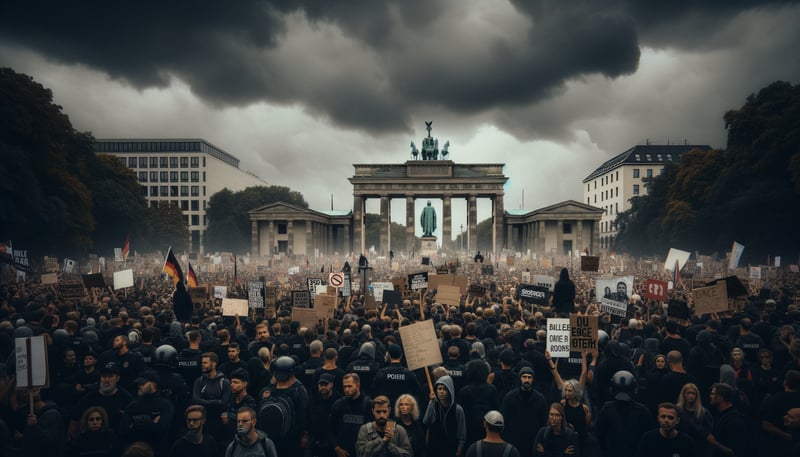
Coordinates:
x,y
395,379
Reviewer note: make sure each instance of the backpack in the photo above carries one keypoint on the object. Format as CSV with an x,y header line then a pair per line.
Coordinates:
x,y
276,415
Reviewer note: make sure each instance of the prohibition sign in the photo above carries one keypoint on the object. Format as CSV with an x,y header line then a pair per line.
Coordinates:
x,y
336,280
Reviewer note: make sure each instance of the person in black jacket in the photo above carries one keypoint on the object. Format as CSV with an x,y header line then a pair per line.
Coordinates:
x,y
182,303
525,410
564,294
195,443
149,417
394,379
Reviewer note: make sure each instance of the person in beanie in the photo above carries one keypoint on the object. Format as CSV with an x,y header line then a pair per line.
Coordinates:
x,y
525,410
149,417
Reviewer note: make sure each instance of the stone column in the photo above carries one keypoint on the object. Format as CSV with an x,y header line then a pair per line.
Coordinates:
x,y
290,237
560,237
447,223
358,224
515,237
595,247
270,238
542,237
472,223
345,238
310,239
384,225
498,224
410,222
579,236
254,250
329,240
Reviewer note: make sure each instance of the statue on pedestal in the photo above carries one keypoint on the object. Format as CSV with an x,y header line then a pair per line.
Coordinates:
x,y
428,220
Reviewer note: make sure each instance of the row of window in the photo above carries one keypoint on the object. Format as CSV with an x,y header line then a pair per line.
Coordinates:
x,y
608,179
191,219
608,226
165,147
648,173
165,162
171,176
606,194
172,191
649,157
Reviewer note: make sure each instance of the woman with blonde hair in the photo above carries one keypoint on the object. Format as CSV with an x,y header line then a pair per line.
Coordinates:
x,y
696,420
406,412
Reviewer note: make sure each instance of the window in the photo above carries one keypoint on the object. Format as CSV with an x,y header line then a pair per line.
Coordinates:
x,y
612,178
184,191
153,176
153,162
649,157
195,219
616,208
195,176
173,191
637,157
173,176
142,176
617,175
184,176
649,172
164,176
635,172
195,205
635,189
165,191
660,157
195,162
184,162
185,205
164,162
661,172
669,157
131,162
173,162
154,191
588,188
587,201
595,184
595,198
142,162
144,191
195,191
204,206
204,163
567,228
282,230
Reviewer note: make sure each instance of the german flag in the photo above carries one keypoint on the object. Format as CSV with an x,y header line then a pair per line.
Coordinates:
x,y
126,248
191,277
173,268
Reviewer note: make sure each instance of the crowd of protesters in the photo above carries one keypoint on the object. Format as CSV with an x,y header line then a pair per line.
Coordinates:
x,y
146,372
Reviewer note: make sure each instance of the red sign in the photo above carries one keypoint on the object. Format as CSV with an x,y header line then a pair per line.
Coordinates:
x,y
656,290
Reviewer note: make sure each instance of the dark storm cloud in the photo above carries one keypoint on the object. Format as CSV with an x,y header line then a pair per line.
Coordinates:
x,y
407,56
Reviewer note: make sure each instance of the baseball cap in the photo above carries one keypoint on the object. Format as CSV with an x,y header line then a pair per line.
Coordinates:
x,y
395,351
240,373
494,418
325,378
147,376
110,368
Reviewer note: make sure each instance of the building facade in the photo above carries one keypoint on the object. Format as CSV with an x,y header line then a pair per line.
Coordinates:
x,y
613,184
183,173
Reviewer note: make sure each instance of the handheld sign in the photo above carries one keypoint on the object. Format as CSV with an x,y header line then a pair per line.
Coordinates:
x,y
31,359
49,278
305,316
123,279
313,283
301,299
487,270
558,337
234,306
94,280
379,287
544,281
448,295
713,299
418,281
420,346
255,294
655,290
533,294
71,290
336,280
476,290
198,294
590,263
220,291
583,333
392,297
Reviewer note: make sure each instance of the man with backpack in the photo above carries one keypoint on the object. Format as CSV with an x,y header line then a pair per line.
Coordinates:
x,y
283,409
249,442
492,445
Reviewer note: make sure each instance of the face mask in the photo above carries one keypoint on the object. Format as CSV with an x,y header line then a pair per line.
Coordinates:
x,y
242,432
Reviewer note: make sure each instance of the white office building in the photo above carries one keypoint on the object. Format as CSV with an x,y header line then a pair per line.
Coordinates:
x,y
183,172
612,185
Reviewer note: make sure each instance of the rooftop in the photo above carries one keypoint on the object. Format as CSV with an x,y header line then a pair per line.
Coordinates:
x,y
655,154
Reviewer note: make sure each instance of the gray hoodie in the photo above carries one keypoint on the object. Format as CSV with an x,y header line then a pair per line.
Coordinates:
x,y
262,447
437,418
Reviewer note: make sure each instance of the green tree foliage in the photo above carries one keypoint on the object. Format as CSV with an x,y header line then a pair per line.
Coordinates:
x,y
372,234
169,227
746,193
228,219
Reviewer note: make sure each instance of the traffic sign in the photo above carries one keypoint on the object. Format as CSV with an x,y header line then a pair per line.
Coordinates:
x,y
336,279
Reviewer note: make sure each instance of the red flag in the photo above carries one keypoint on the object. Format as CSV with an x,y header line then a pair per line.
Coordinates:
x,y
126,248
173,268
191,276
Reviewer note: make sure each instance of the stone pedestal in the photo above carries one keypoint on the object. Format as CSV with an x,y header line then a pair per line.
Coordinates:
x,y
428,246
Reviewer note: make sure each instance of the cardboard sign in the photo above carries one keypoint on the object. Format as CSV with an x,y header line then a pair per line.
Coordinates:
x,y
476,290
544,281
713,299
655,290
270,295
583,333
313,283
379,287
307,317
733,286
437,280
510,260
461,282
448,295
198,294
526,277
487,270
220,291
234,306
418,281
71,290
94,280
31,360
590,263
301,299
325,305
420,346
533,294
123,279
49,278
392,297
678,309
558,337
255,294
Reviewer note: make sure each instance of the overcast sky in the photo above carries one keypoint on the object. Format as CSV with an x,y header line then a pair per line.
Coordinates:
x,y
300,91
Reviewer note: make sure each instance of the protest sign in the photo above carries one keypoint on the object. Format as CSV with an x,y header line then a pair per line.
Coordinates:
x,y
476,290
307,317
420,346
325,305
379,287
198,294
255,294
612,294
487,270
392,297
713,299
533,294
510,260
655,290
526,277
736,254
123,279
301,299
755,272
49,278
448,295
234,306
31,361
220,291
462,282
270,295
558,337
544,281
418,281
583,330
590,263
94,280
676,255
313,283
434,281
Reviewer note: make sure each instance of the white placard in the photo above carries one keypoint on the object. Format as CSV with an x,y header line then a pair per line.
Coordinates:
x,y
320,289
31,362
558,337
736,254
123,279
220,291
49,278
234,306
676,254
379,287
526,277
755,272
544,281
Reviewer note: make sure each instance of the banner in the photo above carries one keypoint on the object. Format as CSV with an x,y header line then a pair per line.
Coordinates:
x,y
713,299
533,294
558,337
736,255
614,290
21,260
583,332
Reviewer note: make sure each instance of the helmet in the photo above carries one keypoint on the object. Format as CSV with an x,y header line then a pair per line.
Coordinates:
x,y
283,368
623,385
602,338
166,355
61,337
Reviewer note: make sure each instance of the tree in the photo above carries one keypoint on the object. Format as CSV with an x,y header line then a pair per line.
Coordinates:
x,y
170,227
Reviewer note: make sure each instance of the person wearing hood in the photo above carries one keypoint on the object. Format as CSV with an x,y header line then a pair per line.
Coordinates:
x,y
195,443
249,442
525,410
43,434
477,398
149,417
564,294
365,366
447,430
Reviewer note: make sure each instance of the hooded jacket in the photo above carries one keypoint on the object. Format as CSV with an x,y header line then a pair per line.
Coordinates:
x,y
447,425
261,447
365,367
